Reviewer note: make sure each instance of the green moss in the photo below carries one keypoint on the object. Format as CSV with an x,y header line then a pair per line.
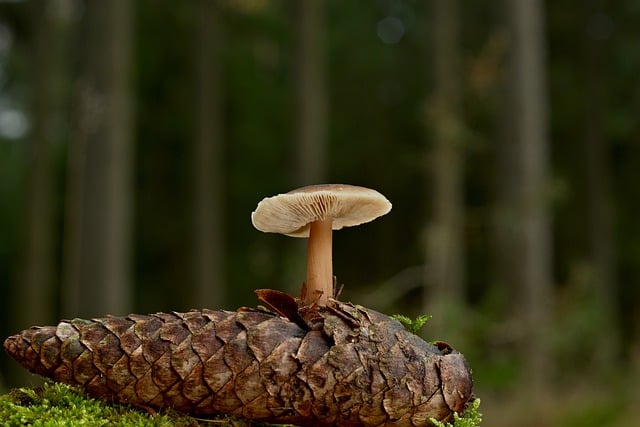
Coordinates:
x,y
59,405
412,326
471,418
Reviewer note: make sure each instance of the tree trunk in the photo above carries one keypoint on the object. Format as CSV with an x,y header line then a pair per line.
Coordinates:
x,y
310,92
310,148
98,224
445,266
531,221
208,164
599,193
38,270
33,302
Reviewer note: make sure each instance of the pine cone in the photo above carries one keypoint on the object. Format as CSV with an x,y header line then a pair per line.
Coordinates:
x,y
353,367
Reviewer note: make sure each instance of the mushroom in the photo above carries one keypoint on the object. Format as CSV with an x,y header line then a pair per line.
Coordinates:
x,y
313,212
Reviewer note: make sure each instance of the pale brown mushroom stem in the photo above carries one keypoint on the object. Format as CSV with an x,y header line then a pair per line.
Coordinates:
x,y
319,263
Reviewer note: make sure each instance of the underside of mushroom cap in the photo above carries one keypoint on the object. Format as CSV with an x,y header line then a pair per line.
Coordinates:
x,y
291,213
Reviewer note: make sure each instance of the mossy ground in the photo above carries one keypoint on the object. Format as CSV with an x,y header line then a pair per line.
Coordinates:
x,y
59,405
471,418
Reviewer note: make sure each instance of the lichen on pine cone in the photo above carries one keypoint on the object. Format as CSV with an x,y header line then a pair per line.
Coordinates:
x,y
352,367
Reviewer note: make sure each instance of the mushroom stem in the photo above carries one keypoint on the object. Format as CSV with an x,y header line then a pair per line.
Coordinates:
x,y
319,263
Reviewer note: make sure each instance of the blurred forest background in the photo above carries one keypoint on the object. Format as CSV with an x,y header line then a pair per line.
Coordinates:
x,y
136,138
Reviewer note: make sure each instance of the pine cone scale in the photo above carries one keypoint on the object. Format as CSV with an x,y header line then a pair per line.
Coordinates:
x,y
50,353
216,371
83,368
119,376
129,341
194,388
163,374
138,365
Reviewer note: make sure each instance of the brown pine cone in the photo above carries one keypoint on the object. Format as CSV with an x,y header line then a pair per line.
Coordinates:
x,y
356,367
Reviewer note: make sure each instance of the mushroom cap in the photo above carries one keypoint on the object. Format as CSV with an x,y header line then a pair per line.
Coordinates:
x,y
292,213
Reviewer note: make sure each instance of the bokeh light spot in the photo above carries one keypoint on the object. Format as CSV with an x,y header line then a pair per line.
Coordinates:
x,y
390,30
